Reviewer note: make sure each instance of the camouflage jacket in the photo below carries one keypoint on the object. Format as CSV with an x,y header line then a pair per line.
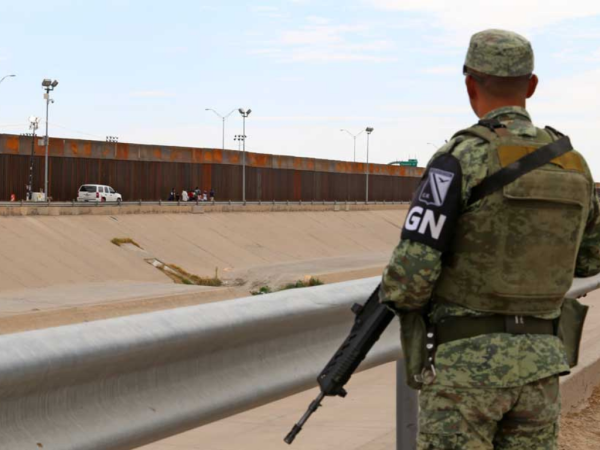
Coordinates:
x,y
493,360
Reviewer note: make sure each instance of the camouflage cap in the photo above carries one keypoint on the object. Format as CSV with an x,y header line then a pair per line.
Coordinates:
x,y
500,53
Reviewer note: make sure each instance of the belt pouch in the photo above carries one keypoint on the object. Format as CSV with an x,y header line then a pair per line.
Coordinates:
x,y
413,334
570,328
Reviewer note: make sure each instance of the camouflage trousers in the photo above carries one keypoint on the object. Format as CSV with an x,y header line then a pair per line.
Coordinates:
x,y
521,418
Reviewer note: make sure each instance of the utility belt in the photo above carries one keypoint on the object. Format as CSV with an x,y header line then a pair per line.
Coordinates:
x,y
455,328
420,339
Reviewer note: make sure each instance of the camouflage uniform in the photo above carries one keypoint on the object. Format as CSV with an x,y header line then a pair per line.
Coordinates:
x,y
495,390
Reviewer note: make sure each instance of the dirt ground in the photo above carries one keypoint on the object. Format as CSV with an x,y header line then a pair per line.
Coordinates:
x,y
581,430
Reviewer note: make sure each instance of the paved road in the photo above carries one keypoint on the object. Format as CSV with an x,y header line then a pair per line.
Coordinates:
x,y
364,420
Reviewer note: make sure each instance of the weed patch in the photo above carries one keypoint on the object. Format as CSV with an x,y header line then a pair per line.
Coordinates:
x,y
262,290
308,282
122,241
312,281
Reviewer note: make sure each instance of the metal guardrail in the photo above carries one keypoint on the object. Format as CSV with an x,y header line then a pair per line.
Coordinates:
x,y
121,383
193,203
124,382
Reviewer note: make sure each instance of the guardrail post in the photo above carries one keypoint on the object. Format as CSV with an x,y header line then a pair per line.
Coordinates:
x,y
73,203
140,202
407,408
160,202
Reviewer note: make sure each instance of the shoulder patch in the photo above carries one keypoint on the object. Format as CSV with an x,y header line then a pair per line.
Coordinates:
x,y
436,205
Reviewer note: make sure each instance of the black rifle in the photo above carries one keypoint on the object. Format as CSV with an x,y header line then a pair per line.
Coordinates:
x,y
370,322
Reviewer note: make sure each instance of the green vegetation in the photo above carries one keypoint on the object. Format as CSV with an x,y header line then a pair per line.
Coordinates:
x,y
262,290
121,241
302,284
312,281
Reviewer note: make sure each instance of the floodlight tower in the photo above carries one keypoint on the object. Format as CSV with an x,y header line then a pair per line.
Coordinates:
x,y
34,123
244,113
369,130
48,85
239,138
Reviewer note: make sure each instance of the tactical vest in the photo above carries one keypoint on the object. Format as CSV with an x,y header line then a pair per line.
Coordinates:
x,y
514,252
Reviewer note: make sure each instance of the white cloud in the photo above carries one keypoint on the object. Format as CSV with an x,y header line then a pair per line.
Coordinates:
x,y
264,8
317,20
321,41
462,18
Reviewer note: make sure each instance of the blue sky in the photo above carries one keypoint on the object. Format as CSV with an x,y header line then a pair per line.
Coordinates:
x,y
146,70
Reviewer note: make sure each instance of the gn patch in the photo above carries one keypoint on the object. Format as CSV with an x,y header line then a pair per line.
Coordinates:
x,y
432,216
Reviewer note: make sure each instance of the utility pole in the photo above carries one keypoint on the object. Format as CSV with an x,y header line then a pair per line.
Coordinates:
x,y
369,130
48,85
244,114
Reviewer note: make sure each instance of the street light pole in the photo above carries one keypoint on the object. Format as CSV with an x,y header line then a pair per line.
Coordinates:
x,y
7,76
223,118
369,130
48,85
354,136
244,114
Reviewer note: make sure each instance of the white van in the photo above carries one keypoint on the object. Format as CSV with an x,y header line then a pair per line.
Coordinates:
x,y
98,193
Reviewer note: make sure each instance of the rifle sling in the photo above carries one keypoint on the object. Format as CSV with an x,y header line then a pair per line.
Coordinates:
x,y
517,169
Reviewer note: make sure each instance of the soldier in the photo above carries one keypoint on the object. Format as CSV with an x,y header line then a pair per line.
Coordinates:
x,y
479,276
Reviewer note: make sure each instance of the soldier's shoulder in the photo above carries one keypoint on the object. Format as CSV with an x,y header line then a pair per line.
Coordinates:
x,y
469,150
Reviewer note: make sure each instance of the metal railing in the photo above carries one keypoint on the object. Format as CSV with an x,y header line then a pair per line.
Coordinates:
x,y
193,203
124,382
121,383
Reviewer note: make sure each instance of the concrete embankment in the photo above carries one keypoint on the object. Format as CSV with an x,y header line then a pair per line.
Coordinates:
x,y
103,209
63,269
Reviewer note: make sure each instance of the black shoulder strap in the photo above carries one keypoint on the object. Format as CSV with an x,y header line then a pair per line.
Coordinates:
x,y
517,169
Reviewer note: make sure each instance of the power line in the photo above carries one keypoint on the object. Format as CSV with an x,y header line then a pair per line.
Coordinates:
x,y
77,131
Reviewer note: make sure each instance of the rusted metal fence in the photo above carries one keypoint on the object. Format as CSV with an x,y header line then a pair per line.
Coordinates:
x,y
149,173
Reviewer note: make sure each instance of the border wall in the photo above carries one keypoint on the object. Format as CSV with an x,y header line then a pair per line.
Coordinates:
x,y
148,172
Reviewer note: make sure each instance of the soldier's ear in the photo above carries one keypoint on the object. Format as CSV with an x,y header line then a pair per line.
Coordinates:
x,y
533,82
471,87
